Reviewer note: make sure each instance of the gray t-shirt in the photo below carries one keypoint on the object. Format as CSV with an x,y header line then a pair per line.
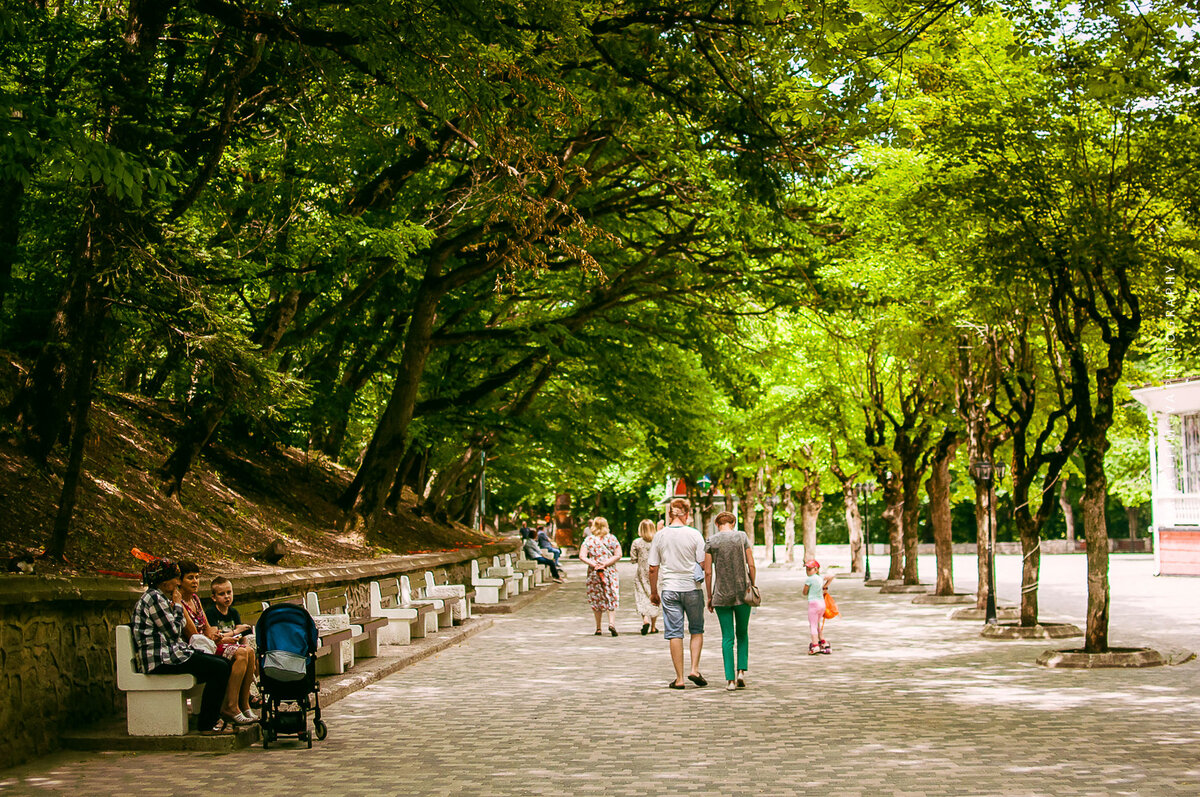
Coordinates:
x,y
675,551
728,549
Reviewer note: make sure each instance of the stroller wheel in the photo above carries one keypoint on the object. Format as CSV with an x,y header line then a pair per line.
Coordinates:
x,y
322,730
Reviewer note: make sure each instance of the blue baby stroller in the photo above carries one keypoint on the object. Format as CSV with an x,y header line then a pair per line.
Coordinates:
x,y
287,662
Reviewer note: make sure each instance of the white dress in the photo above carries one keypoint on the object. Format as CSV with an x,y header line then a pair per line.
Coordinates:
x,y
639,554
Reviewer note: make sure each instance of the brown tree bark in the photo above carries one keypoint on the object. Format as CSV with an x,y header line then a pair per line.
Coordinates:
x,y
854,521
1068,509
1095,530
937,486
789,523
811,501
893,521
750,510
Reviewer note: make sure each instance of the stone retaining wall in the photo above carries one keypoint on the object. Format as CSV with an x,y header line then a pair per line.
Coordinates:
x,y
56,637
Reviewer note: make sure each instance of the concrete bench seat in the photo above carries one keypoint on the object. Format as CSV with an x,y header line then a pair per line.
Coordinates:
x,y
364,630
539,571
406,622
489,589
502,567
459,596
155,705
443,610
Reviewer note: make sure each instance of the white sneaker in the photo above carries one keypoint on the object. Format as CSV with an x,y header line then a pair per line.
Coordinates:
x,y
741,679
731,686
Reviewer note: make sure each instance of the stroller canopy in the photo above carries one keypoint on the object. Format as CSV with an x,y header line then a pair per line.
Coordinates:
x,y
286,627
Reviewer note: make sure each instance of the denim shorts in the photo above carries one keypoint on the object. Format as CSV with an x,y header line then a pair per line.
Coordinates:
x,y
675,605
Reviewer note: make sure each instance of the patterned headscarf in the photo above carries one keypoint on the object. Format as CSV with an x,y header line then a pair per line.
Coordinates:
x,y
159,570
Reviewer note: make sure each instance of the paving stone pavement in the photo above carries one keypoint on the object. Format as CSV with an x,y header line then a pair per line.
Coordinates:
x,y
910,703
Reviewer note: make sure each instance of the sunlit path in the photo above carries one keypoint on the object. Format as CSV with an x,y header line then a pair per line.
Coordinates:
x,y
911,702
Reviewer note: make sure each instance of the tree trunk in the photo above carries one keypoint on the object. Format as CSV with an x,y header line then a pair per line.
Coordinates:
x,y
854,523
1095,530
893,511
1133,516
1031,553
985,519
789,524
750,515
937,486
910,520
1068,509
809,510
365,496
174,357
57,546
769,519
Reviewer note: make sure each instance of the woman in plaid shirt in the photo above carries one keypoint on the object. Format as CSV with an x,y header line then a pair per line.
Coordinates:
x,y
161,643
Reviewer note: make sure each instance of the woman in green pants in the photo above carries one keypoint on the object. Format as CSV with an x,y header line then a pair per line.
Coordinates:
x,y
728,572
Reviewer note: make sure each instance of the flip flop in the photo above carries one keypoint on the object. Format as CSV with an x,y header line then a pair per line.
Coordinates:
x,y
698,680
673,685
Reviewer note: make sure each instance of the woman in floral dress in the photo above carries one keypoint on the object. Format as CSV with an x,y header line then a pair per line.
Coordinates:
x,y
600,552
639,554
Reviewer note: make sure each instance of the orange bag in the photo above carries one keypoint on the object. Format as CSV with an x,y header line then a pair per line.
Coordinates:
x,y
831,609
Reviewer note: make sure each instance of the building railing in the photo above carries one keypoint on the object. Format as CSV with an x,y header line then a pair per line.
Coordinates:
x,y
1173,511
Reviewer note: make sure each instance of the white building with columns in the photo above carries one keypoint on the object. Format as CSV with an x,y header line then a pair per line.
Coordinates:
x,y
1174,409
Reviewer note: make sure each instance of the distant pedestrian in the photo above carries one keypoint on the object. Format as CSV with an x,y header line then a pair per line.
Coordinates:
x,y
729,571
600,552
814,589
674,554
639,554
535,554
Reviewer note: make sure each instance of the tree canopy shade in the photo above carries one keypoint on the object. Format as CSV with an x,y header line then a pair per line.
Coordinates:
x,y
584,243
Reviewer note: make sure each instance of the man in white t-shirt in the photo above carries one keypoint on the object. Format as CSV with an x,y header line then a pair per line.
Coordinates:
x,y
674,554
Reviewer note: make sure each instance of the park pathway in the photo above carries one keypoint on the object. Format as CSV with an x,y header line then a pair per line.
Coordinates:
x,y
909,703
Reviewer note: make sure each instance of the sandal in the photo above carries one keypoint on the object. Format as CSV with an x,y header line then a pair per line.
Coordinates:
x,y
698,679
672,685
612,630
598,633
813,649
222,726
239,719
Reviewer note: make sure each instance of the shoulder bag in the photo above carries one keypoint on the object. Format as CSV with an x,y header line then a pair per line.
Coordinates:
x,y
753,596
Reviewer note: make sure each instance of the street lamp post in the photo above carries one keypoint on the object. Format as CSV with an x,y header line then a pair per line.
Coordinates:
x,y
987,473
863,491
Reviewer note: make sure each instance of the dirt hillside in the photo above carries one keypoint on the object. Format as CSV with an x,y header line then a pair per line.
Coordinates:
x,y
236,501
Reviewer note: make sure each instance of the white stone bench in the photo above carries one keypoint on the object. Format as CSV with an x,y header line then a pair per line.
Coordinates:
x,y
459,596
539,571
406,622
364,640
502,567
155,705
488,589
443,610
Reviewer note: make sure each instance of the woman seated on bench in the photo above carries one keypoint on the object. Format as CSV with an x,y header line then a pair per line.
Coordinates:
x,y
160,640
236,708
